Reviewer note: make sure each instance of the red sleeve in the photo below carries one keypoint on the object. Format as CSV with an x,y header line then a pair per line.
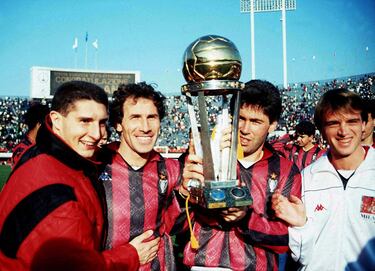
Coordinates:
x,y
175,218
8,264
67,235
279,146
66,254
283,147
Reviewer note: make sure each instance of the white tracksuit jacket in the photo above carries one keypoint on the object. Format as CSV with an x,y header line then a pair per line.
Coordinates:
x,y
340,231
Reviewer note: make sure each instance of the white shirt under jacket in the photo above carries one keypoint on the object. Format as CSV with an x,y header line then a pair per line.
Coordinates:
x,y
341,222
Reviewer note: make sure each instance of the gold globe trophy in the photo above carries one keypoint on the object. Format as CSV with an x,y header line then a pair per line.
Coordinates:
x,y
212,67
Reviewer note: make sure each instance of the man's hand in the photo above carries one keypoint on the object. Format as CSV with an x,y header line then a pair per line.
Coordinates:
x,y
193,169
234,214
290,210
226,136
147,250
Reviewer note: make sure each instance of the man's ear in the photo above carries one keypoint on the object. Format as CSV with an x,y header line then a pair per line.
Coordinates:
x,y
118,127
273,127
56,119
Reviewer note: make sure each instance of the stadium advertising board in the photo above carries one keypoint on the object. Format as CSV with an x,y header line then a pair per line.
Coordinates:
x,y
45,81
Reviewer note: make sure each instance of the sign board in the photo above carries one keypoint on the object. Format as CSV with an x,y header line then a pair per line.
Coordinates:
x,y
45,81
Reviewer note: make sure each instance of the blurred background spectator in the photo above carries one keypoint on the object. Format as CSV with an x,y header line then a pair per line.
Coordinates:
x,y
33,119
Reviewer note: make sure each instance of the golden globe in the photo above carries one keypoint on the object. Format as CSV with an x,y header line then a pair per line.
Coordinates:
x,y
211,57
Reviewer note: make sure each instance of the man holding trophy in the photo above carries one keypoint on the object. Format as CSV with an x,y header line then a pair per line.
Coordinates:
x,y
234,223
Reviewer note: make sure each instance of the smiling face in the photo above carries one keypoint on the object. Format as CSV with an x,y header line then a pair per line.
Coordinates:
x,y
254,127
139,129
82,127
343,132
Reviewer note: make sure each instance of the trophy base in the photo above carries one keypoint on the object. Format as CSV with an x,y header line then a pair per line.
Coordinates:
x,y
221,194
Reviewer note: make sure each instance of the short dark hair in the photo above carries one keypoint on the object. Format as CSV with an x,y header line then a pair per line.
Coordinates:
x,y
305,128
70,92
264,95
137,90
369,106
35,114
335,100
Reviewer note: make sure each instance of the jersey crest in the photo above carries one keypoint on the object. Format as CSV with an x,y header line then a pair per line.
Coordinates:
x,y
368,207
106,174
163,177
272,182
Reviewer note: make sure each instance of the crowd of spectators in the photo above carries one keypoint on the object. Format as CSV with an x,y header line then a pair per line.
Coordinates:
x,y
176,125
299,101
12,127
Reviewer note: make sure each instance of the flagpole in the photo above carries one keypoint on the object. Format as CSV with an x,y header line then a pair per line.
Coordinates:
x,y
86,39
75,46
96,46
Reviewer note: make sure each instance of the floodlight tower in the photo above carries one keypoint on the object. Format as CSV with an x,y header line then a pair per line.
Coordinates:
x,y
267,6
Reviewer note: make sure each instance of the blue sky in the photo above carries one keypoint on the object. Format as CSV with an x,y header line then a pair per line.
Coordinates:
x,y
325,39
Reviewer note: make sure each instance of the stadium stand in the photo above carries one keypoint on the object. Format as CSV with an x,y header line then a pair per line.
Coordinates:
x,y
299,101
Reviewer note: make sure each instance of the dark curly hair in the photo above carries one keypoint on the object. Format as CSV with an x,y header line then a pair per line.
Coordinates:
x,y
138,90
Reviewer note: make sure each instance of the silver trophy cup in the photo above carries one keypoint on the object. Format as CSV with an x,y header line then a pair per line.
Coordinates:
x,y
212,67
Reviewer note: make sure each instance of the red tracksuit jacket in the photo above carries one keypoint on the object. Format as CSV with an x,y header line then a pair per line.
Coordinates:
x,y
52,213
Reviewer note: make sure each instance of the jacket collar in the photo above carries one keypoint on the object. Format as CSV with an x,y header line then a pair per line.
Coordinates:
x,y
323,163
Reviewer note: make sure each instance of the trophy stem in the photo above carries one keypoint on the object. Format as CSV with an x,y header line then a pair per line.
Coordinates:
x,y
225,153
208,170
194,126
234,141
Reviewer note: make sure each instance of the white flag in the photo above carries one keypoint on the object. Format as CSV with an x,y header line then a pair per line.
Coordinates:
x,y
75,44
95,44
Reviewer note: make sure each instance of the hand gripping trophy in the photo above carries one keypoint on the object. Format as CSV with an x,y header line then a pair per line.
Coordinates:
x,y
212,67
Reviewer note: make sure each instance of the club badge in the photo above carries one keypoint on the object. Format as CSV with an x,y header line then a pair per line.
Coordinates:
x,y
272,182
314,157
163,184
105,176
368,207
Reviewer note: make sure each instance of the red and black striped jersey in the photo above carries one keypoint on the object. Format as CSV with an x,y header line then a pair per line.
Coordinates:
x,y
20,148
304,158
300,157
143,199
254,242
